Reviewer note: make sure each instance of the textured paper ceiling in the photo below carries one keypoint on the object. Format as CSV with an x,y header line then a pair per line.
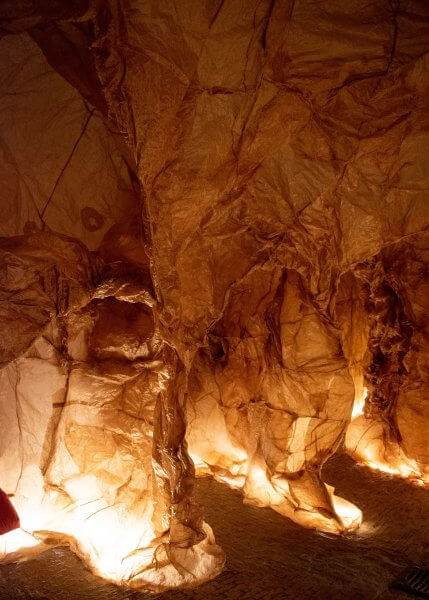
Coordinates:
x,y
214,253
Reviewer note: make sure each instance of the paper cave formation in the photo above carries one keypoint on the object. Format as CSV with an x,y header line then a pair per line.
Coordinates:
x,y
214,260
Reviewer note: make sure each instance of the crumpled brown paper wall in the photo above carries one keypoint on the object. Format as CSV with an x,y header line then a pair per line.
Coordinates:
x,y
266,206
389,351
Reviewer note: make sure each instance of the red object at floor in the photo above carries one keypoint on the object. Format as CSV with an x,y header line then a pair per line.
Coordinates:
x,y
9,519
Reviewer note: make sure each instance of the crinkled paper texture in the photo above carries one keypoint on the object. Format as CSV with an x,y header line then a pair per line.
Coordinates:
x,y
214,220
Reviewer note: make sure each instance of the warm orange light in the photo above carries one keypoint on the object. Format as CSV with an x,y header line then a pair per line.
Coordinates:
x,y
16,541
260,489
103,535
359,404
366,442
118,544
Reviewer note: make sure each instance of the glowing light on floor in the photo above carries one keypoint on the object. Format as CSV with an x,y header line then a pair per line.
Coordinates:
x,y
261,490
367,441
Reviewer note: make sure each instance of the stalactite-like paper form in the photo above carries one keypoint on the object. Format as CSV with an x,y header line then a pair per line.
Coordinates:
x,y
214,259
391,351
